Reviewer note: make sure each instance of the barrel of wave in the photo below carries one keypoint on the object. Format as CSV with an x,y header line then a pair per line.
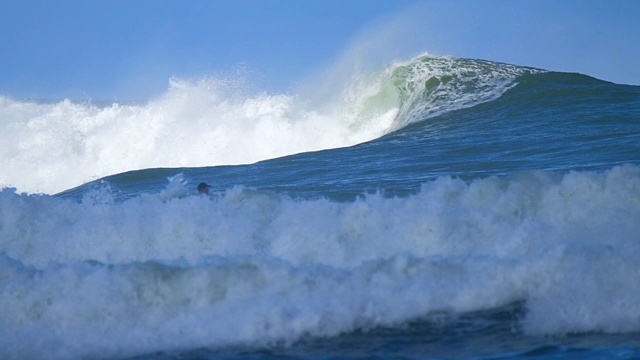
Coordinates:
x,y
433,85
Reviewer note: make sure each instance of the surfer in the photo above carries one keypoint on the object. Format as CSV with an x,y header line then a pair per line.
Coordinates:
x,y
203,188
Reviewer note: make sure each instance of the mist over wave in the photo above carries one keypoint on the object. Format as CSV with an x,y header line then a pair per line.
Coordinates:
x,y
50,147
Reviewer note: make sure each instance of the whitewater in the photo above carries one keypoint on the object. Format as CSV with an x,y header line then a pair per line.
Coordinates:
x,y
437,207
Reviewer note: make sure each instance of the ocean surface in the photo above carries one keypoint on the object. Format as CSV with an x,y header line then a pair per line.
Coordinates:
x,y
437,208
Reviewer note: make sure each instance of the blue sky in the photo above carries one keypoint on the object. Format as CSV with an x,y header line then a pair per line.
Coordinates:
x,y
128,50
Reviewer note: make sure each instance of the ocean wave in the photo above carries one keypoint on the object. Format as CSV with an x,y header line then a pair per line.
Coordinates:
x,y
52,146
255,267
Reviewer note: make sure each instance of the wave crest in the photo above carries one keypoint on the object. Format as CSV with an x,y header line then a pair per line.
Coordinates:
x,y
431,86
50,147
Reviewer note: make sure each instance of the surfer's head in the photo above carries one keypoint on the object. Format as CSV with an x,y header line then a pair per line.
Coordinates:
x,y
203,188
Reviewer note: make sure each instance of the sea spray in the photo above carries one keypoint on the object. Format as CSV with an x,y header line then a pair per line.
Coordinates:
x,y
50,147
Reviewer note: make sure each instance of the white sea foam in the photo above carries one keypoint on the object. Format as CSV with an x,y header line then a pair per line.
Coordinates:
x,y
160,272
52,147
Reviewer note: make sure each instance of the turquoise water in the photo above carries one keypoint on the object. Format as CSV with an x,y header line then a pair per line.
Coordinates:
x,y
439,208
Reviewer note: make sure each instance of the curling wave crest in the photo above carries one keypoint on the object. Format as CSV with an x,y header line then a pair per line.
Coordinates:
x,y
53,146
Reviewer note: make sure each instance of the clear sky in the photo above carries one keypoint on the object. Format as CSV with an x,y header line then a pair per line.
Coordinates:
x,y
128,49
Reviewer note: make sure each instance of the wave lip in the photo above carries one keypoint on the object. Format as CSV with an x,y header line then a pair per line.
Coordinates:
x,y
434,85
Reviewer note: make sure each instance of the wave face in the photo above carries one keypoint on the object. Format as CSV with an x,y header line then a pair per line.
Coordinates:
x,y
50,147
494,200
